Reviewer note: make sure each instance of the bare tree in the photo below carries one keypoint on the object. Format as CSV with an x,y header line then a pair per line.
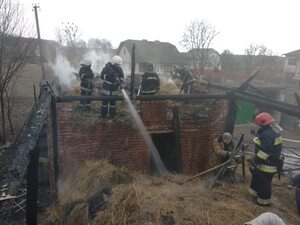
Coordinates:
x,y
102,44
14,51
81,44
197,38
60,37
256,57
72,34
228,63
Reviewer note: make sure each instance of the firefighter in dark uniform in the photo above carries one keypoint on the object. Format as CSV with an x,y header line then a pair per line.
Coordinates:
x,y
150,81
86,85
267,161
187,79
112,76
295,182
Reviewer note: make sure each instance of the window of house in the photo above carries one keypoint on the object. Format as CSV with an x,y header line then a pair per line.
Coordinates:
x,y
292,61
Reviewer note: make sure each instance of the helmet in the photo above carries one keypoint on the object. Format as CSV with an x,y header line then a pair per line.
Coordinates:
x,y
150,67
116,60
227,137
85,62
264,119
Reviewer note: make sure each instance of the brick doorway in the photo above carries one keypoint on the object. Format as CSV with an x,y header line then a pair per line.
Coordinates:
x,y
165,145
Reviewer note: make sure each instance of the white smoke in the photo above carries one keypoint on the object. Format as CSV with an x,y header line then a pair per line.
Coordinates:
x,y
166,79
64,71
98,58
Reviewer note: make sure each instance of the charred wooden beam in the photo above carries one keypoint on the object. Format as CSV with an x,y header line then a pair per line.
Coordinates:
x,y
260,92
18,168
32,188
54,140
244,85
231,114
290,109
176,124
132,71
141,97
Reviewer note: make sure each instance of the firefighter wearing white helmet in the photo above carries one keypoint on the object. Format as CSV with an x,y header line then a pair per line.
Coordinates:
x,y
86,85
86,63
116,60
112,76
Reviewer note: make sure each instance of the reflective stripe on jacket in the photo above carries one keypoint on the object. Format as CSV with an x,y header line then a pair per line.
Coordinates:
x,y
150,83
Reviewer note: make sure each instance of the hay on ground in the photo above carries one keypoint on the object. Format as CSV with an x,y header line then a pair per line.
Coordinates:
x,y
144,200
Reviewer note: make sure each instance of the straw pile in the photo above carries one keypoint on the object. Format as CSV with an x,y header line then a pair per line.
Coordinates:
x,y
144,200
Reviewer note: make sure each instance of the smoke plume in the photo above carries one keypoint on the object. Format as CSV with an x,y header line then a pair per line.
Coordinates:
x,y
64,72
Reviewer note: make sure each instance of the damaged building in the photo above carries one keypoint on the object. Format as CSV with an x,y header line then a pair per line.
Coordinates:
x,y
182,132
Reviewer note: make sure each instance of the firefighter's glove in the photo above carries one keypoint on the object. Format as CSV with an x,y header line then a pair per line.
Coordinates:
x,y
237,159
252,165
121,83
253,132
257,160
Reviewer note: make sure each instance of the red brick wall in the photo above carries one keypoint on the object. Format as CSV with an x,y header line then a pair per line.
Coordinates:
x,y
122,143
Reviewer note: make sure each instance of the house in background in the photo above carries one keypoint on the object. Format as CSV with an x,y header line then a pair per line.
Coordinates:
x,y
206,59
292,68
240,67
163,55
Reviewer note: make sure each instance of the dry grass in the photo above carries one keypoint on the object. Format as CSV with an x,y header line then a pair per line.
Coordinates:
x,y
141,199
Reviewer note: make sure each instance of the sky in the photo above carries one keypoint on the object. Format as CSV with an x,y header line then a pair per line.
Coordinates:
x,y
273,23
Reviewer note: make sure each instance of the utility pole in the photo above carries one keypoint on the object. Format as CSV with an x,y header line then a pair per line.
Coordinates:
x,y
35,7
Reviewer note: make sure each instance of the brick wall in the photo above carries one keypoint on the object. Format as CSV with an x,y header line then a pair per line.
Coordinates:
x,y
123,144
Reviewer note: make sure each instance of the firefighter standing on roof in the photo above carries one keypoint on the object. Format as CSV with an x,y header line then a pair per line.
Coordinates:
x,y
150,81
86,76
187,79
112,76
266,162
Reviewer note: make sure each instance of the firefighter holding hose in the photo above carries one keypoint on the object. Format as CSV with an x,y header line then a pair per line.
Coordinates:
x,y
112,76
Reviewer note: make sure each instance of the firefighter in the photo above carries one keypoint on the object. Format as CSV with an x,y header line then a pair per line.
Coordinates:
x,y
150,81
187,79
295,182
266,162
223,146
267,218
112,76
86,85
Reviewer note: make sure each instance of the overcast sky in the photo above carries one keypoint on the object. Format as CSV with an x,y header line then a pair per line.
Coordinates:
x,y
273,23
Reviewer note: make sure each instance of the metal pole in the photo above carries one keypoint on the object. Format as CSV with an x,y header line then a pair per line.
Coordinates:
x,y
132,71
32,187
35,7
54,141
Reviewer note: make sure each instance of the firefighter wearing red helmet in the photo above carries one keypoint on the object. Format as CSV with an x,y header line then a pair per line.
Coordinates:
x,y
267,160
